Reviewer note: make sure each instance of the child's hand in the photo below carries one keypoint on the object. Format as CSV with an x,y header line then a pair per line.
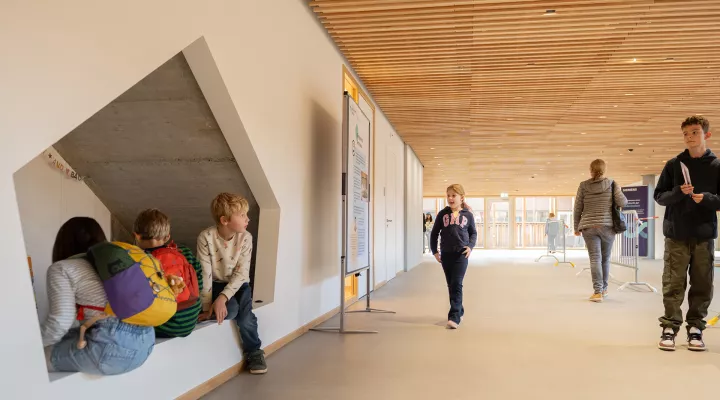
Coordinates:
x,y
698,197
437,257
204,316
220,308
467,252
687,189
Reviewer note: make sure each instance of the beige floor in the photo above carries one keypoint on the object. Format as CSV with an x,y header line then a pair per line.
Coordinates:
x,y
528,333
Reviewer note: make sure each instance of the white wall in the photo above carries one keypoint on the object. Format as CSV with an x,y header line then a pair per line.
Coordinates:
x,y
64,61
387,265
46,199
413,209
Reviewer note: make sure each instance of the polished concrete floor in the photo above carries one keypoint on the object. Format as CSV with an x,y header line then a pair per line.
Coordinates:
x,y
529,332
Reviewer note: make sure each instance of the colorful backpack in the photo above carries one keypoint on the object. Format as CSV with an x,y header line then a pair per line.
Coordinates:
x,y
134,282
174,263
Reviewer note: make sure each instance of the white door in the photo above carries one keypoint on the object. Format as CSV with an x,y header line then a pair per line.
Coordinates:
x,y
390,224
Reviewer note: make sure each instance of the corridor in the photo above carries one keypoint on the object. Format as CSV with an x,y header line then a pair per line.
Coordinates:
x,y
529,332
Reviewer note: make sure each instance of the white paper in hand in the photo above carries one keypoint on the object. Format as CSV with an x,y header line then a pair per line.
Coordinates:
x,y
686,173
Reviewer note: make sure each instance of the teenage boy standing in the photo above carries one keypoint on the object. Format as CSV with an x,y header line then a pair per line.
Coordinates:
x,y
688,187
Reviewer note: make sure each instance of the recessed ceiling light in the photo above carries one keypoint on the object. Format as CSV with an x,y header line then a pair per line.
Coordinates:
x,y
569,145
509,119
439,164
602,117
663,161
432,148
639,144
629,94
634,60
445,180
615,106
583,133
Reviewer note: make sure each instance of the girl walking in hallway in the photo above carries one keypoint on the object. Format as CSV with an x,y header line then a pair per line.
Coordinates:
x,y
455,224
593,218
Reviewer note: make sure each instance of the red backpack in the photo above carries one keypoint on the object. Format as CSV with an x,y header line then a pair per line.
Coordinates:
x,y
174,263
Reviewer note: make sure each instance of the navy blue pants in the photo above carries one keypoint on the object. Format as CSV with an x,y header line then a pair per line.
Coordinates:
x,y
239,308
455,265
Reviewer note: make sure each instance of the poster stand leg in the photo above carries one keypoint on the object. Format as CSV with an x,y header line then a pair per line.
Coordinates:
x,y
341,327
367,302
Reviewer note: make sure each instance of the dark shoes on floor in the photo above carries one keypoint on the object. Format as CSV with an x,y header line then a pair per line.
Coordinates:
x,y
256,362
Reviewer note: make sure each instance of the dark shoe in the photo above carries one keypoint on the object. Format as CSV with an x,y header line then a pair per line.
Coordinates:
x,y
256,362
667,340
695,341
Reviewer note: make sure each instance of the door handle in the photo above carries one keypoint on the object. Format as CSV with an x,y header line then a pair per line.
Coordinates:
x,y
388,220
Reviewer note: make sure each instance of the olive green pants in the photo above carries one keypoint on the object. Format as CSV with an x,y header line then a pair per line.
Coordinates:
x,y
682,258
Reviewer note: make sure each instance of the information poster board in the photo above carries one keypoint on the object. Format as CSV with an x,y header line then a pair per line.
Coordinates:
x,y
356,187
637,197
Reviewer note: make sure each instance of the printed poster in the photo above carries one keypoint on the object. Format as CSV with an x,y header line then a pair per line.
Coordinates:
x,y
358,183
637,197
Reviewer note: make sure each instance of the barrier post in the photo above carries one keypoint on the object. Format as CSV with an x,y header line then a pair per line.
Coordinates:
x,y
626,250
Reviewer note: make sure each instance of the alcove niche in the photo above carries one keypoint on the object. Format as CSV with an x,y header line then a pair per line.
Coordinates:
x,y
173,141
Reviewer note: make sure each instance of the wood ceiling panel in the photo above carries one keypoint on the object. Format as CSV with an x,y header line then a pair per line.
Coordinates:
x,y
500,97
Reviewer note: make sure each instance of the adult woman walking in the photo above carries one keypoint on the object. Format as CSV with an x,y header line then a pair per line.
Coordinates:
x,y
427,228
593,218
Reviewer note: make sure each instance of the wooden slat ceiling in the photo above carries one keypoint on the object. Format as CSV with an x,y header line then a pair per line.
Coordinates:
x,y
501,97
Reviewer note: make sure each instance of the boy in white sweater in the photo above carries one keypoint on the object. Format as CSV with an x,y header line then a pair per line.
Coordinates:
x,y
224,251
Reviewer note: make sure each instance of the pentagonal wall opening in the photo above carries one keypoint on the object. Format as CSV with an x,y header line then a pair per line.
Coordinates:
x,y
158,145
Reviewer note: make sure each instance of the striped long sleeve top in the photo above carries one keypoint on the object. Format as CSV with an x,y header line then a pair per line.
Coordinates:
x,y
593,203
70,282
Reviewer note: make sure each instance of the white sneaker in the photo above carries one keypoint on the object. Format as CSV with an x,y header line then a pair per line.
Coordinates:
x,y
452,325
667,340
695,341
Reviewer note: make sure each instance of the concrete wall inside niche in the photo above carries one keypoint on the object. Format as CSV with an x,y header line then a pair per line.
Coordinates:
x,y
159,145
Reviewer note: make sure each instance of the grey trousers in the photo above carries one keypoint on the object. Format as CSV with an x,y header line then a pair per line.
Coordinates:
x,y
599,241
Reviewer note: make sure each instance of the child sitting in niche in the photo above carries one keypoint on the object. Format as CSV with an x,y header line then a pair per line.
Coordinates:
x,y
111,347
152,234
224,251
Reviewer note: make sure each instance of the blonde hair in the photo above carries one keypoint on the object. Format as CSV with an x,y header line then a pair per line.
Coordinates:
x,y
597,168
551,215
458,189
227,204
152,224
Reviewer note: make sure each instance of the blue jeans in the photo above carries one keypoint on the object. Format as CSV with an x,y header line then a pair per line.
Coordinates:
x,y
455,265
239,308
599,241
113,347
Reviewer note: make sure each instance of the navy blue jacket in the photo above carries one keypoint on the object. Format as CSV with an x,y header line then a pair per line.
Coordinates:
x,y
685,219
455,233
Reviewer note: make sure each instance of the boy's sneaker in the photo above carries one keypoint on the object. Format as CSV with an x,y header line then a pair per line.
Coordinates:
x,y
695,341
256,362
667,340
596,297
605,293
452,325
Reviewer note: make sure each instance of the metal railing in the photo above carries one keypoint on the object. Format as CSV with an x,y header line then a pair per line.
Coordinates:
x,y
626,249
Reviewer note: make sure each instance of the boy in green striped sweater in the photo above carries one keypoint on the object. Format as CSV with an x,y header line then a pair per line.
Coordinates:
x,y
152,232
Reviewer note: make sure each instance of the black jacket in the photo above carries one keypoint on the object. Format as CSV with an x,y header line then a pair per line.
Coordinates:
x,y
685,219
455,234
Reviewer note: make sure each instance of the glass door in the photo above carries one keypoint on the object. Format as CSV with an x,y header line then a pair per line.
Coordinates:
x,y
498,224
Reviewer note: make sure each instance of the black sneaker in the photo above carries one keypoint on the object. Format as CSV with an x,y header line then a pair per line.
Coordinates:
x,y
667,340
695,341
256,362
